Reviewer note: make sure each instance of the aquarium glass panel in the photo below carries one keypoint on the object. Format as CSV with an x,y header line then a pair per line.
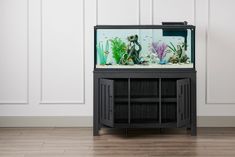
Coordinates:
x,y
144,48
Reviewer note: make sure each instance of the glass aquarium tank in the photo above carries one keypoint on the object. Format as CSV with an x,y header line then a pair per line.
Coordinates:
x,y
152,46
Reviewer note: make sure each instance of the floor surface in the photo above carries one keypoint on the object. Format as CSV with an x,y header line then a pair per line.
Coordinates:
x,y
79,142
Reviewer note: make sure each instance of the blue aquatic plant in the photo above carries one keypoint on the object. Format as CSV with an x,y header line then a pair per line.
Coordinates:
x,y
160,50
103,53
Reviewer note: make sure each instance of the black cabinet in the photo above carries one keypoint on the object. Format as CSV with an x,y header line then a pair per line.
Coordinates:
x,y
145,100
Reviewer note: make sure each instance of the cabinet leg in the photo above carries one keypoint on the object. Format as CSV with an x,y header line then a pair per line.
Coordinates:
x,y
194,131
126,132
188,130
96,130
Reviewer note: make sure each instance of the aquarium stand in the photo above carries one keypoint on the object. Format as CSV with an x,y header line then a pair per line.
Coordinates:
x,y
144,99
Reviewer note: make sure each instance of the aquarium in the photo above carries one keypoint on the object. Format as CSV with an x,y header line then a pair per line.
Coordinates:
x,y
158,46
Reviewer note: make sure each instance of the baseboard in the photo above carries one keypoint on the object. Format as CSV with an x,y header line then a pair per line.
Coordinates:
x,y
216,121
45,121
87,121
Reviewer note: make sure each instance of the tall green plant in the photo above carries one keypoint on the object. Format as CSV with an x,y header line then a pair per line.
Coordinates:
x,y
172,47
119,49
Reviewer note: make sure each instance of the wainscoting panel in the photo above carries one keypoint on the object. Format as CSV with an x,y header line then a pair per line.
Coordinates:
x,y
220,52
173,10
14,52
118,12
62,54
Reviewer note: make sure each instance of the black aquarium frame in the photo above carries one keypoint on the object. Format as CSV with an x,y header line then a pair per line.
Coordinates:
x,y
170,27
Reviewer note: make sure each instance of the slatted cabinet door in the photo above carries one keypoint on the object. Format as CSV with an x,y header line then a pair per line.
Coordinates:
x,y
107,102
183,102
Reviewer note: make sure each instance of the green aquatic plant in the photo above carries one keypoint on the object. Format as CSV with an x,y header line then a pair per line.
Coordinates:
x,y
119,50
103,52
179,55
172,47
183,58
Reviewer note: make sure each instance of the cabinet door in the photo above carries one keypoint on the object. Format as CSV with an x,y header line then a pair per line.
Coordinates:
x,y
106,102
183,102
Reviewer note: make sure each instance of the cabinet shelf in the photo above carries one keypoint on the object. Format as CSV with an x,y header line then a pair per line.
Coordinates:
x,y
145,99
169,99
150,100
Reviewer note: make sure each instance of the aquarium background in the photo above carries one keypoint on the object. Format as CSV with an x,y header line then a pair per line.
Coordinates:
x,y
151,50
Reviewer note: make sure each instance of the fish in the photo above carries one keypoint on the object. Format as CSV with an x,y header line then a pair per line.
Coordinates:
x,y
106,52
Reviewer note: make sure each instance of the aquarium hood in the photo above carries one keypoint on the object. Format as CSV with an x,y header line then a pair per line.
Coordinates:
x,y
169,32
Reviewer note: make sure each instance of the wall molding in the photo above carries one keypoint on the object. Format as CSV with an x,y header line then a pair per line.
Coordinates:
x,y
207,100
153,2
153,15
151,9
138,12
87,121
41,61
24,102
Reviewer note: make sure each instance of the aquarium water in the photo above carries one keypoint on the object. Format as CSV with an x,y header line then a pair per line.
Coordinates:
x,y
143,48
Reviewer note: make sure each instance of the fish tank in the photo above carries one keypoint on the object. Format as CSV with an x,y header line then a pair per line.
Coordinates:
x,y
170,45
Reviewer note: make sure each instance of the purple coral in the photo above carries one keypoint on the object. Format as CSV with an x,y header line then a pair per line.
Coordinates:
x,y
160,50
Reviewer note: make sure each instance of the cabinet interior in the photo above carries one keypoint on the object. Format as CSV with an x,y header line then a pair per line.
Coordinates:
x,y
145,100
168,100
121,100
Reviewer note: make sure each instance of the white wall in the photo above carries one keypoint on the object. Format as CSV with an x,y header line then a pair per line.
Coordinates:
x,y
46,51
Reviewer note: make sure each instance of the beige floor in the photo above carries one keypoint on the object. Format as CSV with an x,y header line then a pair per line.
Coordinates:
x,y
79,142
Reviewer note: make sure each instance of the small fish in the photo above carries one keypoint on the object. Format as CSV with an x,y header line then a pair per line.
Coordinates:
x,y
106,52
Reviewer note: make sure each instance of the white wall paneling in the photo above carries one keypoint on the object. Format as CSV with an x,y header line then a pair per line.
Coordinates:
x,y
62,54
14,52
173,10
215,89
46,51
116,12
146,12
220,53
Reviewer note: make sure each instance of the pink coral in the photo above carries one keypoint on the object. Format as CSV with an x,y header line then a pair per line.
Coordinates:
x,y
159,49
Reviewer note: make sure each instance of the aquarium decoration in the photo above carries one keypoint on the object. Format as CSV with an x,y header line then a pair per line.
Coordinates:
x,y
160,49
133,53
103,53
145,48
119,50
179,55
